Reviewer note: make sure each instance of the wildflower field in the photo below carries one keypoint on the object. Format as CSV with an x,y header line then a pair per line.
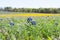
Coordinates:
x,y
30,28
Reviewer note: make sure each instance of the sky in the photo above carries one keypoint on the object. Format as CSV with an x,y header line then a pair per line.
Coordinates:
x,y
30,3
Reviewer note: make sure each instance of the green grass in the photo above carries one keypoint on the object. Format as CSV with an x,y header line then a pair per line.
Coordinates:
x,y
46,28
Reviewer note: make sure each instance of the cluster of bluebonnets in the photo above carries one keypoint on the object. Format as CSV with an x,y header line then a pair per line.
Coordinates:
x,y
30,28
30,20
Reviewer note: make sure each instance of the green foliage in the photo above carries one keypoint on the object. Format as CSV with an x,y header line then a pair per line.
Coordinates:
x,y
44,29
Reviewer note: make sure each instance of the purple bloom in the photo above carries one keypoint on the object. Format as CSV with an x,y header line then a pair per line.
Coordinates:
x,y
29,19
33,22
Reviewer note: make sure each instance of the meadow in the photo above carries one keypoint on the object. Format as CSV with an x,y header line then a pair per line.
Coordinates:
x,y
18,28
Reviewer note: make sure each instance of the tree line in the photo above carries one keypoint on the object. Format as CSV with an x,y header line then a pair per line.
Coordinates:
x,y
31,10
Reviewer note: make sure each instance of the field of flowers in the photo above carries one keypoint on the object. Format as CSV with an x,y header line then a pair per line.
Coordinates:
x,y
30,28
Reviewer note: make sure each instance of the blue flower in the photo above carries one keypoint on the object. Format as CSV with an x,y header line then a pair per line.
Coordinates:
x,y
29,19
33,22
11,23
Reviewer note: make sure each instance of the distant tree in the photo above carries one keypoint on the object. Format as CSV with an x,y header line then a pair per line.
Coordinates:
x,y
58,9
46,10
41,10
15,10
22,9
19,9
50,10
35,10
8,8
55,10
32,10
29,10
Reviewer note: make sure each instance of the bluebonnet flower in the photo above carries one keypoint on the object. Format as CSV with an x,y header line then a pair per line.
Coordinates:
x,y
11,23
29,19
33,22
